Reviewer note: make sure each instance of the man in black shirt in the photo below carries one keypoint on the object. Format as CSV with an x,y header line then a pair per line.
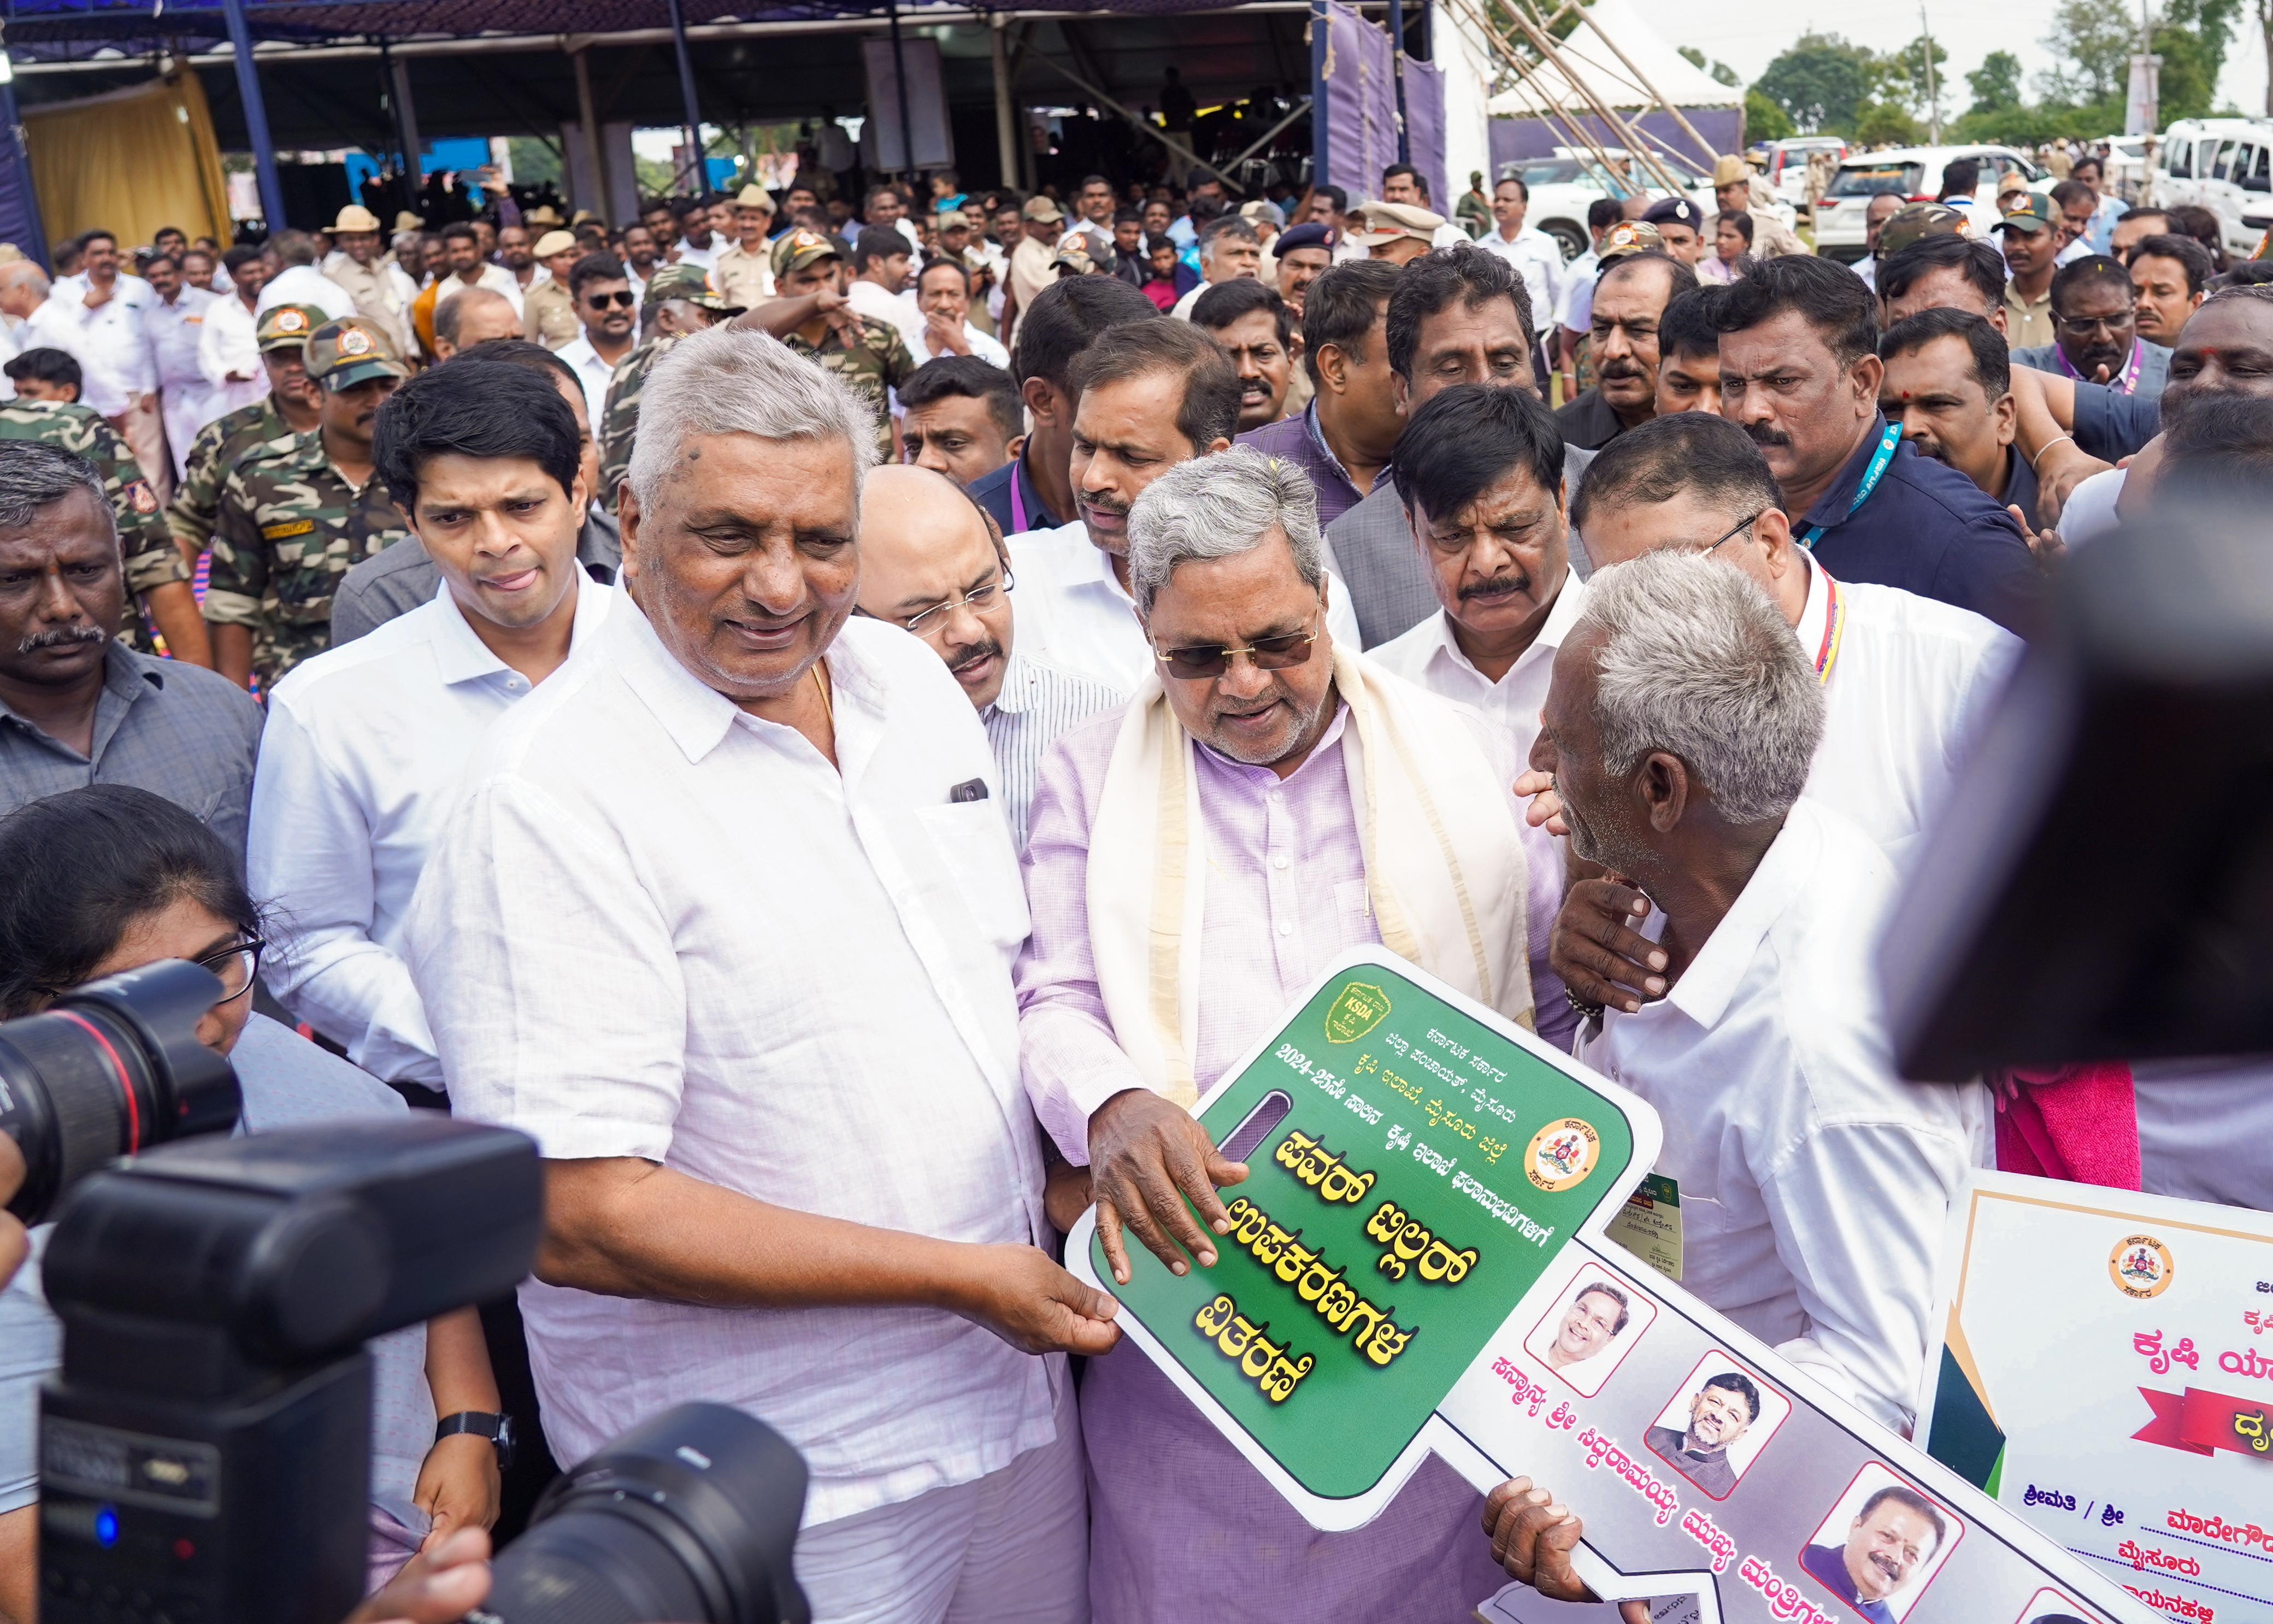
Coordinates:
x,y
1800,373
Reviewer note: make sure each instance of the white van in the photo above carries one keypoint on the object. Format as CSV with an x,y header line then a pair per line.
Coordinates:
x,y
2226,166
1914,175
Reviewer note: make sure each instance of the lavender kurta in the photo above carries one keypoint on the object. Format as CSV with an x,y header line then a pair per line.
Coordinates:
x,y
1182,1528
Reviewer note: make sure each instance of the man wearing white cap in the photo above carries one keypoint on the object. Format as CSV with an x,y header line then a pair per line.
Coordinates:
x,y
745,271
548,311
355,264
1398,232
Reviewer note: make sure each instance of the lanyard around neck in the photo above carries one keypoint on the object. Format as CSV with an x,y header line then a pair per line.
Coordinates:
x,y
1887,443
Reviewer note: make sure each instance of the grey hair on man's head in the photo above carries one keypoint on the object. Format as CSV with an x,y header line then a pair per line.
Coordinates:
x,y
1696,661
731,380
25,271
1218,508
34,477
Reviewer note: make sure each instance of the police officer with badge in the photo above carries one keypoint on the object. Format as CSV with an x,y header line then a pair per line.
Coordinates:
x,y
155,570
813,319
299,512
680,299
292,406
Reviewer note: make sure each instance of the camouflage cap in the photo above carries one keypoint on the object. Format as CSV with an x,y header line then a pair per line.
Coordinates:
x,y
1629,237
344,353
1913,220
799,248
689,281
287,327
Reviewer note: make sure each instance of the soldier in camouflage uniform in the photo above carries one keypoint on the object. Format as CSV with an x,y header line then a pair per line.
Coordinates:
x,y
290,407
679,300
155,571
299,512
812,317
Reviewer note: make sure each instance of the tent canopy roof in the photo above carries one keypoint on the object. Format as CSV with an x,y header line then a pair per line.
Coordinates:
x,y
1679,80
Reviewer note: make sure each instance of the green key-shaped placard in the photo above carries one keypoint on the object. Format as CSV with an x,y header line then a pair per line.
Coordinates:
x,y
1417,1168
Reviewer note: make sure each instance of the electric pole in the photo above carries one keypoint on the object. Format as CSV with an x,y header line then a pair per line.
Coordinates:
x,y
1932,90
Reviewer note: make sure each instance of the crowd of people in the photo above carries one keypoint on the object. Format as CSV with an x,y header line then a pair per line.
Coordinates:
x,y
843,727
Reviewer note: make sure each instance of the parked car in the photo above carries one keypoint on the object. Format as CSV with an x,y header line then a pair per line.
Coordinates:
x,y
1911,173
2222,164
1563,186
1786,163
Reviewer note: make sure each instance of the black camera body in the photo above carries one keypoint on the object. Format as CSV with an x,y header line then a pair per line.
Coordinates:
x,y
206,1450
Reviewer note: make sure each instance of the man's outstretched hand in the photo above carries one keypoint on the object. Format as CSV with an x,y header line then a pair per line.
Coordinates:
x,y
1146,1158
1531,1536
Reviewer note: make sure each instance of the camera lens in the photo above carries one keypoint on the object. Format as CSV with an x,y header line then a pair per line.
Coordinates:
x,y
110,1068
687,1519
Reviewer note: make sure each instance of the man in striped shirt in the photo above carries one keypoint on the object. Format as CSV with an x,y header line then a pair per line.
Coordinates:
x,y
933,562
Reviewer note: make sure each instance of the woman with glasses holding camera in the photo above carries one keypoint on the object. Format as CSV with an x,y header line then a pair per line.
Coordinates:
x,y
99,881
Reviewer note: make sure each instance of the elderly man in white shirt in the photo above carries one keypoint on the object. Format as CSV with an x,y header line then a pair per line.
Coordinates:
x,y
299,281
1480,470
726,921
36,320
942,301
365,743
1537,258
1908,681
1320,803
933,563
1152,395
1680,731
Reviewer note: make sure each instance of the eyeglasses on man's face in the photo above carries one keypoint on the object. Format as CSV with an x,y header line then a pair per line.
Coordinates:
x,y
1203,661
979,599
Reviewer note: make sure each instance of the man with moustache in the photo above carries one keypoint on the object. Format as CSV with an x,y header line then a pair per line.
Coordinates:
x,y
1033,490
1630,300
1256,331
1948,384
1345,437
960,416
1481,473
933,563
1890,1541
2168,276
298,513
1458,316
1305,253
1943,271
1153,393
2097,339
1800,375
1723,1412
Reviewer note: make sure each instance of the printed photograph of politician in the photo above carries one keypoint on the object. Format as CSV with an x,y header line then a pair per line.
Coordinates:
x,y
1718,1423
2049,1607
1587,1334
1881,1545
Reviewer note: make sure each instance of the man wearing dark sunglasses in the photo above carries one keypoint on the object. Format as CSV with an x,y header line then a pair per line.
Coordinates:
x,y
1284,743
608,309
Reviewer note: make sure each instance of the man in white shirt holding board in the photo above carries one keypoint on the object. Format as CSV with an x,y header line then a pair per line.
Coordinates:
x,y
726,922
365,743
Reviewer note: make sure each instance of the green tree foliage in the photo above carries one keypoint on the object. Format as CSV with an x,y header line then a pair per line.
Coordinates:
x,y
1904,76
535,163
1722,72
1822,81
1883,124
1996,83
1764,120
2090,44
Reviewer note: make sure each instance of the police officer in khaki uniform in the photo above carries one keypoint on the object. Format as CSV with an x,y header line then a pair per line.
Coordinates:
x,y
745,271
680,299
357,265
548,311
813,317
299,512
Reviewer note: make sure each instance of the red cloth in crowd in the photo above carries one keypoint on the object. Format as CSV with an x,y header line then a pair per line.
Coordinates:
x,y
2079,1122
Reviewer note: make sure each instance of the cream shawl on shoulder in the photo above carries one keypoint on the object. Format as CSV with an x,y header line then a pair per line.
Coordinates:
x,y
1445,868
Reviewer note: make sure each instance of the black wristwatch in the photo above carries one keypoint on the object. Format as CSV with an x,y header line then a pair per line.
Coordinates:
x,y
497,1429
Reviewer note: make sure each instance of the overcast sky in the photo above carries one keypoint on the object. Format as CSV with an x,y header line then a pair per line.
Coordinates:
x,y
1747,33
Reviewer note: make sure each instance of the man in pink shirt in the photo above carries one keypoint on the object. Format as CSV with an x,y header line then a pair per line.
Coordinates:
x,y
1256,719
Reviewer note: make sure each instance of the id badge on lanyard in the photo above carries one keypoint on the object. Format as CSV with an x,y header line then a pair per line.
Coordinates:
x,y
1887,443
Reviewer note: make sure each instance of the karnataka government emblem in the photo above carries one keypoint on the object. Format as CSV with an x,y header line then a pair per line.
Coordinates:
x,y
1357,1010
291,321
1562,1154
2141,1267
355,341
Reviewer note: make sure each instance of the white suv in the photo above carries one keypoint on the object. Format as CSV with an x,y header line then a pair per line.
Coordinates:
x,y
1563,186
1912,174
2222,164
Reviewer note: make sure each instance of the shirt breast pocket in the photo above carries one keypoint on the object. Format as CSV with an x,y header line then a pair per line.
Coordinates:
x,y
977,862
